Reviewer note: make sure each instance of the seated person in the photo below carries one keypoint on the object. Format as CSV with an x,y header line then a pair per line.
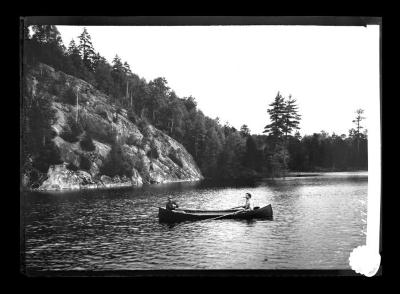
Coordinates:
x,y
249,204
171,205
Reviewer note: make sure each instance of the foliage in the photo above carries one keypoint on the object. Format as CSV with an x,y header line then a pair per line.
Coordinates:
x,y
244,131
284,119
69,96
153,152
275,128
87,143
85,163
47,156
37,117
132,140
117,163
325,152
73,131
106,135
290,117
101,110
86,50
54,89
132,116
71,166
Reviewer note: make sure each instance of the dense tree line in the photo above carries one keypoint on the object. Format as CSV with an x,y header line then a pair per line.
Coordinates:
x,y
221,151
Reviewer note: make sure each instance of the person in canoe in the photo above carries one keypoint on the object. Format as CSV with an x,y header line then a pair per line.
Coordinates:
x,y
249,204
171,205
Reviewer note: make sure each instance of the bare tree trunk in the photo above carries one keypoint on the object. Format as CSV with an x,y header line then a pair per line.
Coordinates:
x,y
358,136
77,104
127,94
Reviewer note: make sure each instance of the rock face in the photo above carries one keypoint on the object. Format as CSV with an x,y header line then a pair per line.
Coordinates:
x,y
103,121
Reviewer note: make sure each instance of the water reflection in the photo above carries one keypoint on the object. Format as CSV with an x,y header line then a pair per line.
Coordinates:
x,y
317,222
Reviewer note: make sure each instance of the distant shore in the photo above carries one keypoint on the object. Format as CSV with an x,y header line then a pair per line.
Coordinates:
x,y
206,181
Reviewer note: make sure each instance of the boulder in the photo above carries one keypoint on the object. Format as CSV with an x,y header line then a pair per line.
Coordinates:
x,y
106,180
61,178
136,178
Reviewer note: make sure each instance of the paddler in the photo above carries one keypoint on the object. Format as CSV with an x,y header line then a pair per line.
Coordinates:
x,y
249,204
171,205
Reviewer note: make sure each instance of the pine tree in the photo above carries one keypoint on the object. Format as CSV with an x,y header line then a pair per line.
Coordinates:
x,y
158,94
127,69
75,59
86,49
118,76
244,130
357,136
117,64
47,34
284,120
128,74
357,122
72,48
276,128
291,118
48,46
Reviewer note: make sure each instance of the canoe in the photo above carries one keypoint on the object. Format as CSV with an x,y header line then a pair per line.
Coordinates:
x,y
178,215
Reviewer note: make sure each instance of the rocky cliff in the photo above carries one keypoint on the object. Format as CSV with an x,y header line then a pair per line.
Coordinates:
x,y
154,156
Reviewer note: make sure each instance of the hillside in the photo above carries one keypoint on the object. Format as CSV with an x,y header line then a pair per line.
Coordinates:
x,y
93,144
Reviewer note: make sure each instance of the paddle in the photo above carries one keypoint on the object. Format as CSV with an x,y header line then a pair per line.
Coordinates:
x,y
236,207
218,217
222,216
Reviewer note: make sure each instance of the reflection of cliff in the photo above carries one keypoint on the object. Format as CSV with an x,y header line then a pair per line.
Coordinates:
x,y
146,154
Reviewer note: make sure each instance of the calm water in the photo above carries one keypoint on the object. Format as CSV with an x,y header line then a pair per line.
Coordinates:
x,y
317,222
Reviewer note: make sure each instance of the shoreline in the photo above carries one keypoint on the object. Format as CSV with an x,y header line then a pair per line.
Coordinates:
x,y
102,186
129,184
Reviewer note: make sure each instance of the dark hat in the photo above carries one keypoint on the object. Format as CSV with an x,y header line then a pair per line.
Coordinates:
x,y
248,194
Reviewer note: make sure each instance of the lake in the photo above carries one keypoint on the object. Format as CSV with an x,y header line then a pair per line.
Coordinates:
x,y
318,220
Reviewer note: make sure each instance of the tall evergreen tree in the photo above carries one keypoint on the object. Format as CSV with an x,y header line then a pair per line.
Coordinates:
x,y
290,116
47,46
47,34
103,76
276,128
86,49
358,139
75,58
244,130
357,121
117,64
118,75
158,94
127,69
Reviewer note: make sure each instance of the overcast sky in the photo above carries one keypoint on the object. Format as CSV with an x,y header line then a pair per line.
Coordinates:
x,y
234,72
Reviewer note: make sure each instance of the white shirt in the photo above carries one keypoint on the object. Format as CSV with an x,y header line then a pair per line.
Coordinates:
x,y
249,204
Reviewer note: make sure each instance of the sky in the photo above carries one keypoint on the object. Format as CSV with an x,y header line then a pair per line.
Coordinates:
x,y
235,72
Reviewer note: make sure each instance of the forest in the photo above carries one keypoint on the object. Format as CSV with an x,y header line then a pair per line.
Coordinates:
x,y
220,150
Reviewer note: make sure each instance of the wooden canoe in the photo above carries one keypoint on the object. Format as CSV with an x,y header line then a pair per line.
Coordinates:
x,y
178,215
